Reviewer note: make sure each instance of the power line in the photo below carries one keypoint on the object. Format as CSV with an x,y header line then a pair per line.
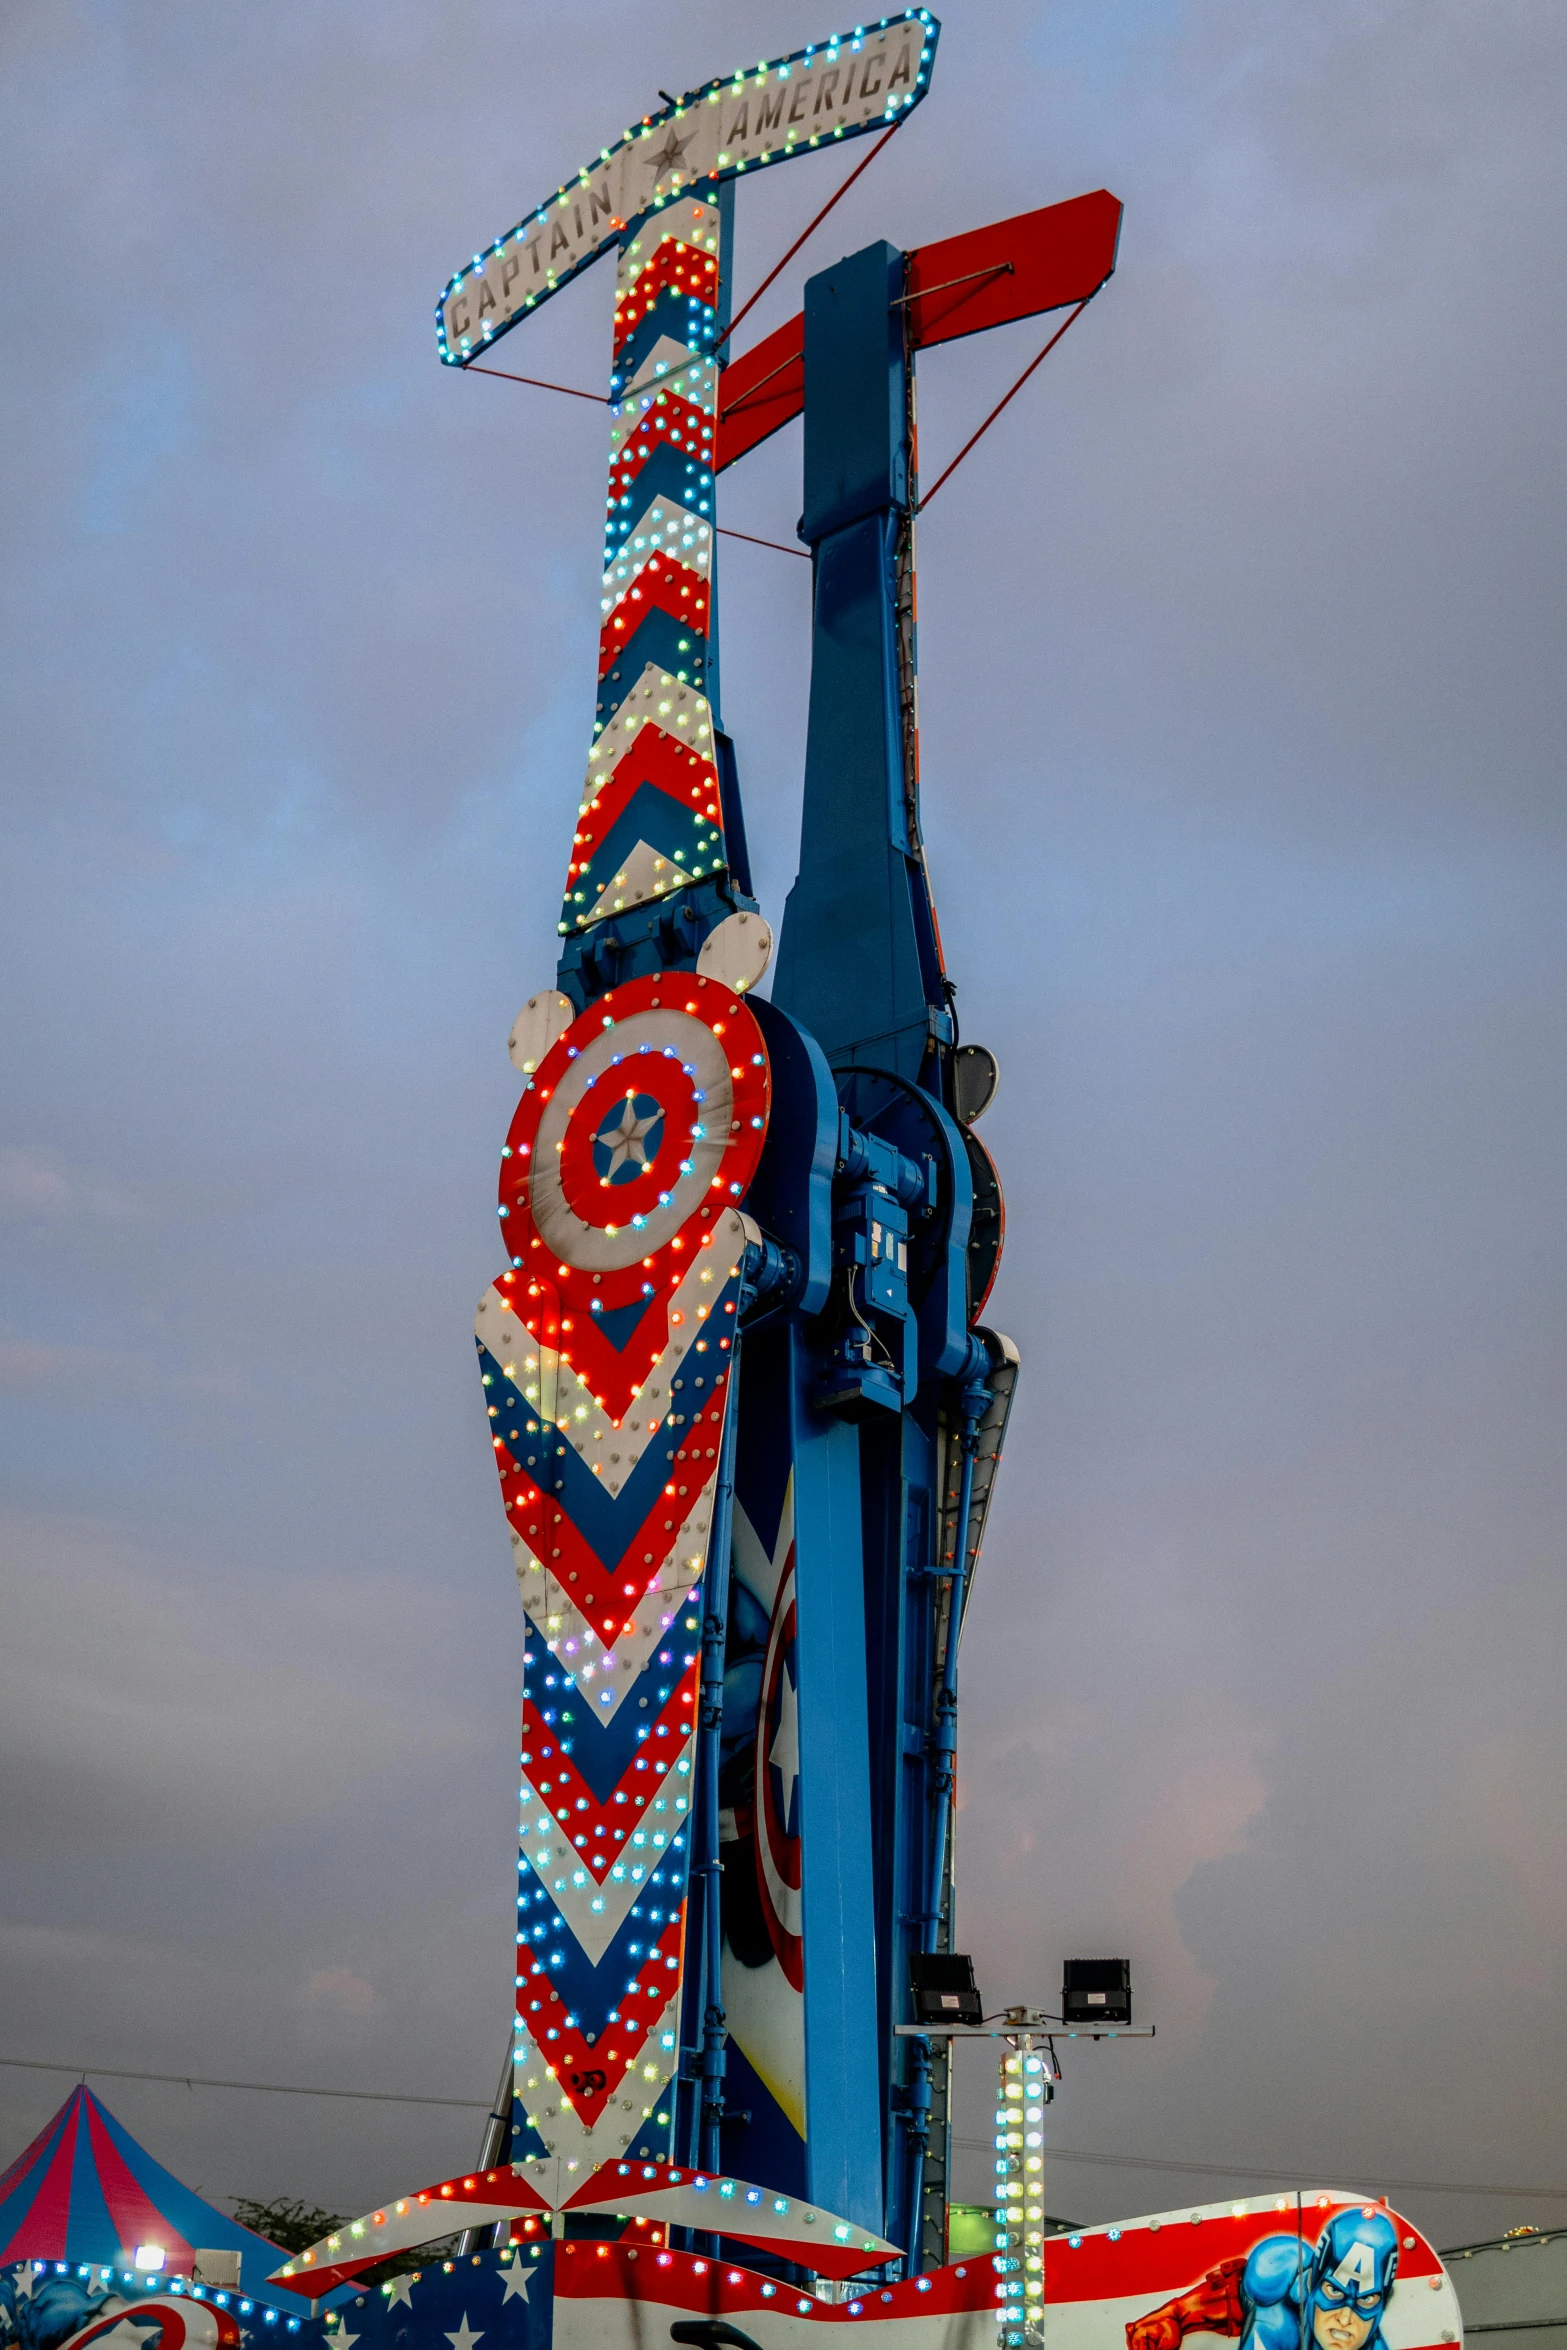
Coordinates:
x,y
1148,2162
1230,2170
109,2072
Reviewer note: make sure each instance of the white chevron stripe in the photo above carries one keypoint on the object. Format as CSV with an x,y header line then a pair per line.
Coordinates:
x,y
559,1392
594,1910
690,222
646,874
696,381
693,565
657,699
664,527
576,2147
611,1673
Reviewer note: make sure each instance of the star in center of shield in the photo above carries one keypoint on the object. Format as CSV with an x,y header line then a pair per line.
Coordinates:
x,y
629,1139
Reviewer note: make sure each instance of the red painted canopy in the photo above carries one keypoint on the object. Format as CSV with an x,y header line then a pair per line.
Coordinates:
x,y
86,2190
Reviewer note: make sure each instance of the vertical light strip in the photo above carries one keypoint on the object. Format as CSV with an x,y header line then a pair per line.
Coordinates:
x,y
1020,2198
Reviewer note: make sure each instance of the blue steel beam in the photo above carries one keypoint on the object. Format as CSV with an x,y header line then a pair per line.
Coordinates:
x,y
859,964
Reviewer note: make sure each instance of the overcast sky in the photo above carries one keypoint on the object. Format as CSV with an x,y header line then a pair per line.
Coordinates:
x,y
1242,680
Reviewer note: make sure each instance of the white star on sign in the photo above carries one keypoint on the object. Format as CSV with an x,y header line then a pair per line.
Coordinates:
x,y
340,2337
26,2279
784,1753
464,2338
514,2282
627,1139
401,2291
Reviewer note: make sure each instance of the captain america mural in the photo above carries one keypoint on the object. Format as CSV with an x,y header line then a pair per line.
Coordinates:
x,y
1280,2296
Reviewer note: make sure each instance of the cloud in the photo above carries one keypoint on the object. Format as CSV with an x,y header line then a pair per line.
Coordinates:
x,y
144,1710
34,1186
338,1994
1241,714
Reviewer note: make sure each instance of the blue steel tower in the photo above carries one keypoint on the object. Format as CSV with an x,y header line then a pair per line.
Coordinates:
x,y
744,1408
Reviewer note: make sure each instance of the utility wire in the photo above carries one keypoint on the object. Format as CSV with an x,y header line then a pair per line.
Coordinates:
x,y
1229,2170
107,2072
1208,2170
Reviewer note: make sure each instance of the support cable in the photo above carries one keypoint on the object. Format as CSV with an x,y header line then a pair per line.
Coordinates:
x,y
777,545
807,232
975,438
472,367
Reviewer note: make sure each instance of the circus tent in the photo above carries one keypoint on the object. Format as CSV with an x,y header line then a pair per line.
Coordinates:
x,y
84,2190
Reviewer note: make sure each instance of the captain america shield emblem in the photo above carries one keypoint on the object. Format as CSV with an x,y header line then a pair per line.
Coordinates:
x,y
629,1140
778,1785
640,1126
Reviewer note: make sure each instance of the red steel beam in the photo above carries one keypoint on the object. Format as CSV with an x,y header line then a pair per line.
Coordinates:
x,y
962,285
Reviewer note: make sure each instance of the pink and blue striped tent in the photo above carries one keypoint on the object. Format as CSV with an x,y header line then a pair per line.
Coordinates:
x,y
85,2190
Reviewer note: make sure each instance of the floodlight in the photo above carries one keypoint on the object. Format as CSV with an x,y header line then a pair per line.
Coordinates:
x,y
942,1982
1097,1991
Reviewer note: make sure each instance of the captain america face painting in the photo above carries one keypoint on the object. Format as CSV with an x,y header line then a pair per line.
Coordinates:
x,y
1283,2296
1352,2273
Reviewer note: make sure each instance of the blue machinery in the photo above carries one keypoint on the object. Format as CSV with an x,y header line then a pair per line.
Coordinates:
x,y
888,1378
799,1181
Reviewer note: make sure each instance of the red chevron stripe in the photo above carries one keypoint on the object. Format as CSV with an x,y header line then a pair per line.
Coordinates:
x,y
577,2066
674,264
655,758
599,1827
671,422
663,586
604,1595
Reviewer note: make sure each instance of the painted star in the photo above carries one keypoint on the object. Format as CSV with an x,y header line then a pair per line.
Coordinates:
x,y
341,2338
401,2291
26,2280
784,1753
668,157
514,2282
627,1139
465,2337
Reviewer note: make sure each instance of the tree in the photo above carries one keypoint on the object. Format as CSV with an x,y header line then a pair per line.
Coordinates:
x,y
294,2226
286,2221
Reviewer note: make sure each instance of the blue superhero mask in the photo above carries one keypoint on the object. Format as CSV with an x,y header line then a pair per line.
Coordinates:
x,y
1355,2262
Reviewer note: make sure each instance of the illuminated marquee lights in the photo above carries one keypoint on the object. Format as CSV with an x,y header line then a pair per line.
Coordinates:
x,y
839,88
151,2280
1020,2199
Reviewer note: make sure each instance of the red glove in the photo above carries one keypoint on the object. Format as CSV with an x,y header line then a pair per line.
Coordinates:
x,y
1213,2307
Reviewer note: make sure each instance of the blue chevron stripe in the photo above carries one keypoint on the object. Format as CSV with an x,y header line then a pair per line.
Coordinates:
x,y
592,1993
609,1523
603,1752
694,842
675,645
668,473
675,317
